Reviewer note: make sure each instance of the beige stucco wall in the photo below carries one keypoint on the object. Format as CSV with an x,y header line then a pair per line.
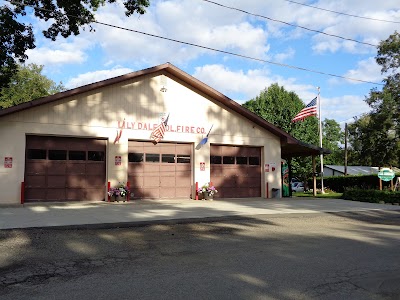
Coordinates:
x,y
98,114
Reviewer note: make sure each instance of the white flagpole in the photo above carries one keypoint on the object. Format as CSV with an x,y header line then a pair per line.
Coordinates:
x,y
320,141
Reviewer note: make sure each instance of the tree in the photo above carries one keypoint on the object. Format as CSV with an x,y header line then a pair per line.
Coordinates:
x,y
278,106
375,137
65,16
372,142
15,39
360,140
333,136
27,84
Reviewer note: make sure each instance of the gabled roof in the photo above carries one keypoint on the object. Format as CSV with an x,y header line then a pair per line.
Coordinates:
x,y
291,147
358,170
351,170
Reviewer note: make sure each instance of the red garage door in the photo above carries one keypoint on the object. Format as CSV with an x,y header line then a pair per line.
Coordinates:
x,y
236,171
64,169
160,171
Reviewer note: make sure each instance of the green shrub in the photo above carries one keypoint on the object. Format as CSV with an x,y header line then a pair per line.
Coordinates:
x,y
373,196
340,183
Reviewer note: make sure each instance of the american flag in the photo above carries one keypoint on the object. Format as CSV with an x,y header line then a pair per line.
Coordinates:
x,y
158,132
308,111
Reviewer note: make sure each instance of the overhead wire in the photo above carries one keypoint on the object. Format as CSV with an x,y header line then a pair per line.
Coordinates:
x,y
289,24
342,13
353,117
209,48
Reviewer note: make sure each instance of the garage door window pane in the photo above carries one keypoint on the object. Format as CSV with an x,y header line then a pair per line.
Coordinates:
x,y
58,154
96,155
215,160
168,158
254,161
77,155
240,160
183,159
36,154
229,160
135,157
150,157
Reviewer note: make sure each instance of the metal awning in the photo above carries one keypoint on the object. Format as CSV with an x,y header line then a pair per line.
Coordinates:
x,y
295,148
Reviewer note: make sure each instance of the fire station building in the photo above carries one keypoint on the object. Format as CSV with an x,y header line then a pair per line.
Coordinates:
x,y
73,145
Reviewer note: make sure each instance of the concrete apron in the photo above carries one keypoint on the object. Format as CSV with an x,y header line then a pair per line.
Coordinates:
x,y
142,212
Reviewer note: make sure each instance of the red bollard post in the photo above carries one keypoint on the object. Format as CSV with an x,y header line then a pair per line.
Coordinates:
x,y
197,191
108,189
128,184
22,192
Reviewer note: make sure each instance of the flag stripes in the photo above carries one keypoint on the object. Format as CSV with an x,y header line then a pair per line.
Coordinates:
x,y
308,111
158,133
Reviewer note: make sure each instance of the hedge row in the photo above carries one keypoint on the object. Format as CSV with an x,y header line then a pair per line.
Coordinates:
x,y
340,183
373,196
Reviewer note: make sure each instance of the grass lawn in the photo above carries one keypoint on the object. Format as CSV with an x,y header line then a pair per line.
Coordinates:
x,y
326,195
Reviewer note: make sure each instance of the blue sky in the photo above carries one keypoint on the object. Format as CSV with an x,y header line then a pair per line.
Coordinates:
x,y
109,52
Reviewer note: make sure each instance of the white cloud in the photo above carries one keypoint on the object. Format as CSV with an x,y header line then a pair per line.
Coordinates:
x,y
343,108
252,41
217,27
47,57
181,21
60,52
108,63
249,83
367,70
359,29
284,56
252,82
95,76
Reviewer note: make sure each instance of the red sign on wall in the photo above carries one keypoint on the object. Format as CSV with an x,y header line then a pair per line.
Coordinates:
x,y
202,166
118,160
270,167
8,162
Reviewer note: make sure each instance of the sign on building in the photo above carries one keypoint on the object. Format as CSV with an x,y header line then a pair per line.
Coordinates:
x,y
8,162
386,174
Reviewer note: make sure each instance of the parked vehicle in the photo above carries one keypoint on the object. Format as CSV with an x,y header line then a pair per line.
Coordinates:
x,y
298,187
294,183
294,180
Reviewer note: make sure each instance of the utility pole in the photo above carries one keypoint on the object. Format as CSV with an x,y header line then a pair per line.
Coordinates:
x,y
320,141
345,149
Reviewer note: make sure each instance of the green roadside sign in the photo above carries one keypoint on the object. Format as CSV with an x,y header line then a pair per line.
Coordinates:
x,y
386,174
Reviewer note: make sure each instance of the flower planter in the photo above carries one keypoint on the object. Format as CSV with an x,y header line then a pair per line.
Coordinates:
x,y
119,193
206,192
119,198
207,196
